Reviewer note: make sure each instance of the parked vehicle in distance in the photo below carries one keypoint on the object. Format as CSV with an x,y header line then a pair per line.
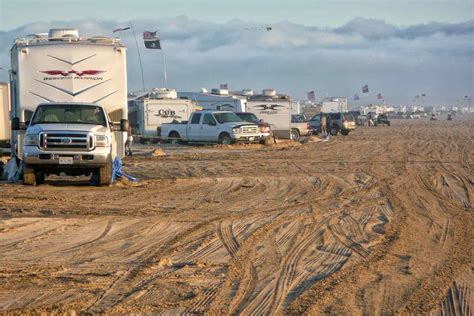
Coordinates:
x,y
299,126
355,115
315,124
340,123
74,138
210,126
362,120
265,128
382,119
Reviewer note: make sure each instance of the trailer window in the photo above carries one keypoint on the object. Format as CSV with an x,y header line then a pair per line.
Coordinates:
x,y
196,118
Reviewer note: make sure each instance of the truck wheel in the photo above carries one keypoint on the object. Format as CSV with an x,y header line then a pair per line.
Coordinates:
x,y
334,130
295,134
225,139
40,177
29,177
105,173
345,132
174,138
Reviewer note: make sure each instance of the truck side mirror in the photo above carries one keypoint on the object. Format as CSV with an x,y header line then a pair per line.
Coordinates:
x,y
124,125
212,123
15,124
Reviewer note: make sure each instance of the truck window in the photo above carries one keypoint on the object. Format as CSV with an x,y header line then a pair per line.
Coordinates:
x,y
208,118
196,118
69,113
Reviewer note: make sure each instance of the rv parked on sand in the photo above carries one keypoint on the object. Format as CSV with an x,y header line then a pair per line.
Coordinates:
x,y
218,99
334,105
69,109
162,106
274,109
5,130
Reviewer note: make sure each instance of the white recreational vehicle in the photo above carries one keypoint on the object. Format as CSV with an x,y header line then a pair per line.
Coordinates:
x,y
162,106
5,131
69,104
272,108
218,99
334,105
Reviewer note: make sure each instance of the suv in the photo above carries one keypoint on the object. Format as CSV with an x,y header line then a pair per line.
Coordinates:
x,y
315,124
340,122
382,119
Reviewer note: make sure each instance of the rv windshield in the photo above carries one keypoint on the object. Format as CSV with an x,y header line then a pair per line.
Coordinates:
x,y
227,117
69,113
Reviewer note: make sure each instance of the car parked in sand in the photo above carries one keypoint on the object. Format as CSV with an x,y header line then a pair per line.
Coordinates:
x,y
299,126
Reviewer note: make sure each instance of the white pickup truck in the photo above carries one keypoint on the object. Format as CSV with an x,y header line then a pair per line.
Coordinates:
x,y
210,126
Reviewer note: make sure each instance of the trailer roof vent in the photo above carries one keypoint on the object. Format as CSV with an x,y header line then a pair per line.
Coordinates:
x,y
269,92
247,92
163,93
61,34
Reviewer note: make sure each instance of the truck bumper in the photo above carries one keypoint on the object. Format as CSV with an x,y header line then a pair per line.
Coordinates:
x,y
32,155
248,139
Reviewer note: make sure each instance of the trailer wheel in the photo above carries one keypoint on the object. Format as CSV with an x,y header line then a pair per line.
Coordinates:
x,y
29,177
105,173
225,139
295,134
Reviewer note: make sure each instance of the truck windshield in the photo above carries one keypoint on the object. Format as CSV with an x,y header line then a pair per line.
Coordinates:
x,y
69,113
248,117
227,117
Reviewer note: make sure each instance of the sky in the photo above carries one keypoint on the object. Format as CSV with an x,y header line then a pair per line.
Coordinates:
x,y
399,48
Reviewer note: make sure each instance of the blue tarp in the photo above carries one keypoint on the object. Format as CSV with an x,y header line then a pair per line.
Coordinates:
x,y
117,171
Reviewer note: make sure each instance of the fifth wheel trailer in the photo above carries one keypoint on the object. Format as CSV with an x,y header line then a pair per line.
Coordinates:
x,y
162,106
273,108
5,132
69,95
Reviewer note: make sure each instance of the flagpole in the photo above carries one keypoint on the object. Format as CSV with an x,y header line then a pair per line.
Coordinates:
x,y
139,55
164,64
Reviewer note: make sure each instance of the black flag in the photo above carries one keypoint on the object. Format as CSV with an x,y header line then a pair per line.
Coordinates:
x,y
152,41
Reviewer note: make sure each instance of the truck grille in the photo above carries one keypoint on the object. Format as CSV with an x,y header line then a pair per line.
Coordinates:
x,y
249,129
66,141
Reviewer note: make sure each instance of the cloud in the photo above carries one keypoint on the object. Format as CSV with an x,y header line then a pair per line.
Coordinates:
x,y
399,62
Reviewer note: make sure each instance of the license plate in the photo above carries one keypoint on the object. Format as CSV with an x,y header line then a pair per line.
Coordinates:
x,y
251,139
65,161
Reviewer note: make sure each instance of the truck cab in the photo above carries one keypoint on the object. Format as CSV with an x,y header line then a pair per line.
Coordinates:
x,y
73,138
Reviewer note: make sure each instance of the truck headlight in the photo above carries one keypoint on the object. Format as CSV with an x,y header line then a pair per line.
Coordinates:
x,y
237,130
101,141
31,140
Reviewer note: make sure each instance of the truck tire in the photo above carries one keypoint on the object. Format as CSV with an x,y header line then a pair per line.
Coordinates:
x,y
40,177
174,138
105,173
334,130
345,132
295,134
225,139
29,177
